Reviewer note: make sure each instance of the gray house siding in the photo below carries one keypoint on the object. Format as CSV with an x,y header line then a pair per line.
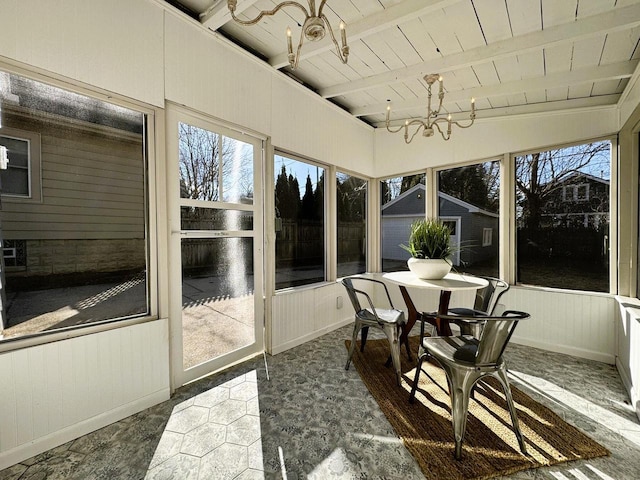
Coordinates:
x,y
397,218
91,214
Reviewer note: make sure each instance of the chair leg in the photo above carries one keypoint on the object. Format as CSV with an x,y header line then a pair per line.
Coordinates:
x,y
421,358
392,333
363,337
354,338
459,409
502,376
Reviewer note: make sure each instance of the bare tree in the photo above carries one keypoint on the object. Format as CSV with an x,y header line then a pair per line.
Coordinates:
x,y
539,174
213,167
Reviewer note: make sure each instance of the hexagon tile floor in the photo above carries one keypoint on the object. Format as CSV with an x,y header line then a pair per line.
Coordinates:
x,y
312,419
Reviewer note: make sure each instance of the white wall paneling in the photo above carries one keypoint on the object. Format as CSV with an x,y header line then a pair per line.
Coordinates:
x,y
115,45
303,314
574,323
251,95
55,392
205,74
630,98
489,138
303,123
628,347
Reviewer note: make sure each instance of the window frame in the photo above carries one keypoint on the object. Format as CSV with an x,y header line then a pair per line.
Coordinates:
x,y
34,167
376,203
368,223
510,200
154,190
487,237
503,212
329,220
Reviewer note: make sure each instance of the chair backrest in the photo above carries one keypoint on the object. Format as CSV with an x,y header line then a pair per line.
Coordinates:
x,y
487,298
353,292
353,296
495,336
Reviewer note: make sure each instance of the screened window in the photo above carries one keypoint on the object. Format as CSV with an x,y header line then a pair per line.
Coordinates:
x,y
402,201
471,195
562,217
352,224
300,222
74,246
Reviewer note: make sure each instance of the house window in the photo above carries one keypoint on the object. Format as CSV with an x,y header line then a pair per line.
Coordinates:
x,y
487,237
78,255
402,201
452,225
20,181
351,206
300,222
568,234
14,253
472,194
575,193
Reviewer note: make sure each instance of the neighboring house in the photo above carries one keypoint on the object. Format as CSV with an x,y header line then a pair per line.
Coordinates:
x,y
580,200
474,229
73,194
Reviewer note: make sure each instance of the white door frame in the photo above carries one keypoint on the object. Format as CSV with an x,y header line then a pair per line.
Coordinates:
x,y
176,114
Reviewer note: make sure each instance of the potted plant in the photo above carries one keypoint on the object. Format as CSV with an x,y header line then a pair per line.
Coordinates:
x,y
430,249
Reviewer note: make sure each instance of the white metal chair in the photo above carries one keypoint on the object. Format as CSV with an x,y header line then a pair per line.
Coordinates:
x,y
389,320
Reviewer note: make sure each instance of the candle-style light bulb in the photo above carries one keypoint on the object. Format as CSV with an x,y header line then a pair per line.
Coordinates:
x,y
473,105
440,82
289,40
343,34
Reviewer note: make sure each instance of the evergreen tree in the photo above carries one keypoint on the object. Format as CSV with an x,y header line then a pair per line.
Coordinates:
x,y
318,199
468,184
307,209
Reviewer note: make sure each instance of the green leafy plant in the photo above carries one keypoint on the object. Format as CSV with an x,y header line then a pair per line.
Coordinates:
x,y
429,238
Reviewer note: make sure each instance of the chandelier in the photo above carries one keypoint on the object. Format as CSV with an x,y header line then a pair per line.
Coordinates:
x,y
313,29
433,121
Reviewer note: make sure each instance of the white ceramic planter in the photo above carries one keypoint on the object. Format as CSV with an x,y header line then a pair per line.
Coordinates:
x,y
429,269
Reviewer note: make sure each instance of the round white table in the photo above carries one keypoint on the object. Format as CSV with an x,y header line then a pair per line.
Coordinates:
x,y
450,283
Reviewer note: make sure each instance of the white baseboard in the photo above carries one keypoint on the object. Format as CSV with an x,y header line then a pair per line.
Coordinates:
x,y
567,350
55,439
276,349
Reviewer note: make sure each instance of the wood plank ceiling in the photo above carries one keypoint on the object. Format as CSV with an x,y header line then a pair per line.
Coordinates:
x,y
513,56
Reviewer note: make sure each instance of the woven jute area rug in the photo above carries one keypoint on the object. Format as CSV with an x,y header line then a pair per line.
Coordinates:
x,y
490,447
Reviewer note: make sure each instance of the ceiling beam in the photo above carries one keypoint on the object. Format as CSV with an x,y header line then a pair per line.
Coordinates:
x,y
534,108
613,71
388,18
218,13
617,19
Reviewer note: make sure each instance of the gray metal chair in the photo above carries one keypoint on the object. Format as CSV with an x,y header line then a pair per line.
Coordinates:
x,y
466,359
389,320
485,304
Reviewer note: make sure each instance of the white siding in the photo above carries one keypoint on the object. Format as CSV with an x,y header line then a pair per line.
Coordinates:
x,y
58,391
